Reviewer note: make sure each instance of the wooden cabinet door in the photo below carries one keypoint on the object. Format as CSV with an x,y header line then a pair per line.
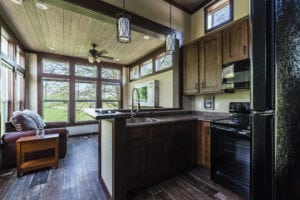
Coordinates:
x,y
235,42
211,63
184,146
137,157
160,152
205,144
190,69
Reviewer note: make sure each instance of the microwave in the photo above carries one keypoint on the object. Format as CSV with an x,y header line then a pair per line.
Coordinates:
x,y
236,75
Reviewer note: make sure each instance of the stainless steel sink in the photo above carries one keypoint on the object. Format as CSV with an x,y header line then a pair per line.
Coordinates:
x,y
141,120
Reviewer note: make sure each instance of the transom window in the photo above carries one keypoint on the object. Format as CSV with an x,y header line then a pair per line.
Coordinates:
x,y
163,61
147,68
134,72
55,67
85,70
109,73
159,61
218,14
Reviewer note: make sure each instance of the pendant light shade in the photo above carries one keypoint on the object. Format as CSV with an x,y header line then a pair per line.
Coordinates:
x,y
171,37
123,27
170,43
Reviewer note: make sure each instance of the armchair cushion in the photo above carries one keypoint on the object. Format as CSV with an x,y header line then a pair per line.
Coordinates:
x,y
22,122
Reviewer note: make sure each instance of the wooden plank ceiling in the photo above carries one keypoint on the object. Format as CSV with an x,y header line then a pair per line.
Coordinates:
x,y
71,33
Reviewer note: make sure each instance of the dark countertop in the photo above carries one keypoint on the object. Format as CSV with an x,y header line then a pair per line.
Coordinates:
x,y
102,114
165,116
179,116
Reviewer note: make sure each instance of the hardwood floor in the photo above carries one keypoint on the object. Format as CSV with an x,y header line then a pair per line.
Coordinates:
x,y
77,178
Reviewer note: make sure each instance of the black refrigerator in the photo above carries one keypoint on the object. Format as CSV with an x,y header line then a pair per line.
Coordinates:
x,y
275,99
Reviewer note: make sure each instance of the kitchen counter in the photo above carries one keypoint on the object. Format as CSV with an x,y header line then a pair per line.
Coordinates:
x,y
172,117
113,139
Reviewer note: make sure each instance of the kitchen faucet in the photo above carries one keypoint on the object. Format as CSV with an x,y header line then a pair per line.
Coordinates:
x,y
133,113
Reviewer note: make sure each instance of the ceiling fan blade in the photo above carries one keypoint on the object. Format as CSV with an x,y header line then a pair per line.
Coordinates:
x,y
107,57
102,52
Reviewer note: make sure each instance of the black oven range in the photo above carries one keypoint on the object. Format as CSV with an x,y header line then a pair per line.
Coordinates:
x,y
230,149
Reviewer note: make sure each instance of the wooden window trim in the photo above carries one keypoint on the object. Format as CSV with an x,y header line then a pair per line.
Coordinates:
x,y
207,10
153,55
72,79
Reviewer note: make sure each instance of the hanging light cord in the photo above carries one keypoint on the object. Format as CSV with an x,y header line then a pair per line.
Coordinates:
x,y
170,15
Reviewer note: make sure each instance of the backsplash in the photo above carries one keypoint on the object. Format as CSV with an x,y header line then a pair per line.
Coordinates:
x,y
221,102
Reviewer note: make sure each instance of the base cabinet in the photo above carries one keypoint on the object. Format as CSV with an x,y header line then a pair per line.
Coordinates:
x,y
203,144
157,152
160,152
184,154
137,157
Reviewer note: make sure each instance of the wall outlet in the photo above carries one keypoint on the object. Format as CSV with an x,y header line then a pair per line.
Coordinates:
x,y
199,105
217,106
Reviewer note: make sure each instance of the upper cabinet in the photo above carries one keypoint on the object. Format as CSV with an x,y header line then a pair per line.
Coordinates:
x,y
210,59
190,69
236,42
203,59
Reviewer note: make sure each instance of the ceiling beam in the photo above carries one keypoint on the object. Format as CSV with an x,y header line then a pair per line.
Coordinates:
x,y
185,9
112,11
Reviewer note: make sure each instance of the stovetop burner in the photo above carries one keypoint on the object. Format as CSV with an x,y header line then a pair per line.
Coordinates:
x,y
239,116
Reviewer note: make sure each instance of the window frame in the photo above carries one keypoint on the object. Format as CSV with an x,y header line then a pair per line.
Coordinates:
x,y
10,62
72,78
153,56
206,12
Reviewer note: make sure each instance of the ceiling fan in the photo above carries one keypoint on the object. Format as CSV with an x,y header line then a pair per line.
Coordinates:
x,y
95,56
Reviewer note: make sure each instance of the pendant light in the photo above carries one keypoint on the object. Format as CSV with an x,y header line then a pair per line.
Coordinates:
x,y
123,26
171,36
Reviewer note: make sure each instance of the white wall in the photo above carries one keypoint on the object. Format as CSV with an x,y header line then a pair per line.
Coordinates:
x,y
241,8
221,100
31,82
165,80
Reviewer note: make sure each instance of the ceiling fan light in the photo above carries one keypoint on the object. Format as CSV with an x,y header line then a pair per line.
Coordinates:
x,y
98,60
170,43
123,28
17,1
41,5
91,59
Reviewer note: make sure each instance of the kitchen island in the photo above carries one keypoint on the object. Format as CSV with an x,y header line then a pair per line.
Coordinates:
x,y
134,153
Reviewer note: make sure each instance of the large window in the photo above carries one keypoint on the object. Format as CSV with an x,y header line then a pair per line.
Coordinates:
x,y
12,78
69,87
111,95
56,100
86,97
20,91
218,14
7,83
111,87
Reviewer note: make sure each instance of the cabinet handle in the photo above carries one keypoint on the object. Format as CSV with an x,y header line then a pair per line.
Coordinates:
x,y
196,86
244,49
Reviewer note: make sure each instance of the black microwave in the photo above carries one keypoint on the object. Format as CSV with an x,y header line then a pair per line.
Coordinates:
x,y
236,75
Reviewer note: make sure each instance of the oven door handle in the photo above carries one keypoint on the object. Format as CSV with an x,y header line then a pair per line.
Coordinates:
x,y
223,128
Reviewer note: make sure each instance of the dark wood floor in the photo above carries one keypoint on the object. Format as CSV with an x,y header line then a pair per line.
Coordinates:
x,y
77,178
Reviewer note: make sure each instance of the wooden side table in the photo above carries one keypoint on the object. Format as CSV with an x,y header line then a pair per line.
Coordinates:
x,y
30,144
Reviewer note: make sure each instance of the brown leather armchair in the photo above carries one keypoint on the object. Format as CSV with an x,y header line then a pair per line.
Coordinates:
x,y
11,136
